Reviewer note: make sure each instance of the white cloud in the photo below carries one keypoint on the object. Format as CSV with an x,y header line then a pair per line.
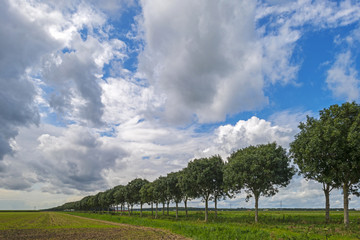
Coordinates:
x,y
214,59
229,138
343,78
204,56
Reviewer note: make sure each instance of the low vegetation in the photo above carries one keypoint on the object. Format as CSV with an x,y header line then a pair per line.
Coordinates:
x,y
240,224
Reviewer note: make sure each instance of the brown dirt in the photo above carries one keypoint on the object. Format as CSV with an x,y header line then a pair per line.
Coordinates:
x,y
122,231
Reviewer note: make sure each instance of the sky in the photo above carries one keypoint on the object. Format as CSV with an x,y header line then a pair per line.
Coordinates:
x,y
97,93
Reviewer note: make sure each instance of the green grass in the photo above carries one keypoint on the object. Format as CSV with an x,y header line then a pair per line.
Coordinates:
x,y
45,220
240,224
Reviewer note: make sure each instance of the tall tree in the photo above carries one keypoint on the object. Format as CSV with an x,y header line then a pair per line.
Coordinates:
x,y
159,191
341,126
260,170
174,190
187,188
133,192
120,196
311,151
205,175
147,195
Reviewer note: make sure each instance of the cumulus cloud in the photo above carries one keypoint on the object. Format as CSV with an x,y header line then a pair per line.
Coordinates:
x,y
22,44
214,59
52,54
229,138
204,56
75,160
343,78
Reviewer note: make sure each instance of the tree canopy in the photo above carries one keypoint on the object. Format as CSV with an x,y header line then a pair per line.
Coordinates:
x,y
261,170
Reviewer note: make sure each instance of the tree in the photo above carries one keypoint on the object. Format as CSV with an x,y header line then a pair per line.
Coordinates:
x,y
341,129
133,192
159,188
173,189
260,170
120,196
206,176
147,195
187,188
311,151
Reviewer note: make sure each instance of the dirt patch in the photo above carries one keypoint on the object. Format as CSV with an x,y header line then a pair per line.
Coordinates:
x,y
85,233
120,231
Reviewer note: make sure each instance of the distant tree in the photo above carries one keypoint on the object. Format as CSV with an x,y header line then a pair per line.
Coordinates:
x,y
173,189
159,191
311,151
188,189
147,195
120,197
260,170
84,203
102,201
110,198
206,176
133,192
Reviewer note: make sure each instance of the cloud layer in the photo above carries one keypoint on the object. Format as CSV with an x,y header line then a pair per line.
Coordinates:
x,y
87,97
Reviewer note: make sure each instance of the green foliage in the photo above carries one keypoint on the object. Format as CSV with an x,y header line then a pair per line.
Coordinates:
x,y
206,178
173,187
133,191
120,195
327,150
261,170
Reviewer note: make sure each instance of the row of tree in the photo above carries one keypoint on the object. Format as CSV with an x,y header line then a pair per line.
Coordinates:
x,y
326,150
259,170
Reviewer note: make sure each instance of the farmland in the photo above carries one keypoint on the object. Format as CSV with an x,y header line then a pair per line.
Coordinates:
x,y
51,225
240,224
228,225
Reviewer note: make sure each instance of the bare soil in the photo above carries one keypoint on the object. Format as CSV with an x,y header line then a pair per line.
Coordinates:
x,y
121,231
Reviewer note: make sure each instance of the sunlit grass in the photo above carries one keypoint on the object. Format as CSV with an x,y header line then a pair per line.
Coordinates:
x,y
240,224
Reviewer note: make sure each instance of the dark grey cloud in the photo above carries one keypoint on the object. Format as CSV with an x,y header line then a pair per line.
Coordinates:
x,y
72,78
75,160
22,44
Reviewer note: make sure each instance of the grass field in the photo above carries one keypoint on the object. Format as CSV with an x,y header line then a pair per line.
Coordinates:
x,y
52,225
240,225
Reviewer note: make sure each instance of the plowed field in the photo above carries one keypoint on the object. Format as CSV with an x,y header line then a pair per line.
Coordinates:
x,y
51,225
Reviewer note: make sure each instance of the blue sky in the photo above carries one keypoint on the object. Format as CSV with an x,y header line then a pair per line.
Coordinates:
x,y
97,93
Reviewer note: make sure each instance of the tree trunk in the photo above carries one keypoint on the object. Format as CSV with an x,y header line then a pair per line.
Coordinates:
x,y
215,207
206,208
141,209
129,209
163,209
121,209
177,210
156,213
152,209
186,210
117,208
167,208
327,190
256,207
346,204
